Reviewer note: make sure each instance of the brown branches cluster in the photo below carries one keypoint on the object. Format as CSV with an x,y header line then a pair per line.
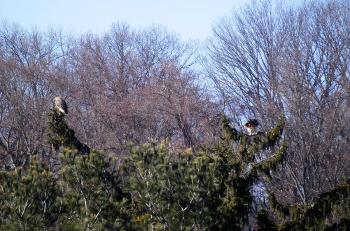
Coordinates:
x,y
123,86
272,57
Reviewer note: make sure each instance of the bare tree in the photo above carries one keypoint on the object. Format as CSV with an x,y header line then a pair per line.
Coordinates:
x,y
268,59
117,83
123,86
26,64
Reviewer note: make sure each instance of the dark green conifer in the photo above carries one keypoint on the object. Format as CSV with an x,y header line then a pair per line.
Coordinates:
x,y
60,135
330,211
28,200
209,189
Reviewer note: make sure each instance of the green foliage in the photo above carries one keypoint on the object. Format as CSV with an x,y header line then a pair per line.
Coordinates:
x,y
330,210
157,188
264,222
182,190
230,133
169,189
240,169
93,198
86,193
270,164
59,134
28,200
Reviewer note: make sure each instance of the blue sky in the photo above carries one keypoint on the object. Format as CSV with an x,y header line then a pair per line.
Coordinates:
x,y
191,19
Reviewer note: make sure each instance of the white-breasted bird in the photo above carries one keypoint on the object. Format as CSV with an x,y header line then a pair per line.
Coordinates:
x,y
251,126
61,105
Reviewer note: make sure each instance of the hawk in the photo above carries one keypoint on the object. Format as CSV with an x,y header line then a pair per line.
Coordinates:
x,y
251,126
61,105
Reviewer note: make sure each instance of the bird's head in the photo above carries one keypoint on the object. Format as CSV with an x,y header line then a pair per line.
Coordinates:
x,y
251,126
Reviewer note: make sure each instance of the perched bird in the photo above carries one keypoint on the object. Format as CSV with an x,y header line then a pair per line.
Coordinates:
x,y
61,105
251,126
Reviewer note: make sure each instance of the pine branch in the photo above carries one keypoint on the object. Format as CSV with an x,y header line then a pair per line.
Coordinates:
x,y
230,132
271,163
313,215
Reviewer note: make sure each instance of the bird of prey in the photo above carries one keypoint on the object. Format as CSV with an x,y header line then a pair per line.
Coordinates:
x,y
251,126
61,105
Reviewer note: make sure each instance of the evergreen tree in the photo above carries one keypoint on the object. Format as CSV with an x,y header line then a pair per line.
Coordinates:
x,y
330,211
157,188
204,190
60,135
238,170
28,200
171,190
92,198
92,195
